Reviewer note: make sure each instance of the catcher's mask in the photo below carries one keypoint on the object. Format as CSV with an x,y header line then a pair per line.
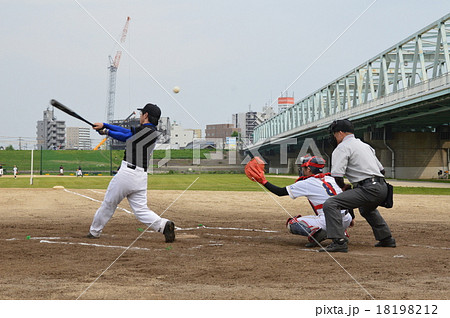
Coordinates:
x,y
343,125
316,164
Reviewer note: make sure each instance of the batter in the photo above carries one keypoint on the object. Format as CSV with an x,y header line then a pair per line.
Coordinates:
x,y
131,179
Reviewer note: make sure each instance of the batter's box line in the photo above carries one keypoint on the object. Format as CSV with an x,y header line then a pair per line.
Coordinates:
x,y
225,228
208,245
98,192
95,200
177,228
100,245
38,238
428,246
350,253
234,236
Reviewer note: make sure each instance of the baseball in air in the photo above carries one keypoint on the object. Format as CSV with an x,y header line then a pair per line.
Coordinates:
x,y
176,89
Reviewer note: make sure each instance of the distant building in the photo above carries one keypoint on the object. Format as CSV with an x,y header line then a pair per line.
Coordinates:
x,y
284,103
50,132
165,128
221,131
247,122
180,137
197,133
78,138
267,113
201,144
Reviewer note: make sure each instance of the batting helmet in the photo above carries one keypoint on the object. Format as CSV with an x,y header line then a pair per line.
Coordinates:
x,y
316,164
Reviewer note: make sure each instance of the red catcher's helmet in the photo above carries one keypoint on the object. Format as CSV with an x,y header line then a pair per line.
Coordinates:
x,y
315,163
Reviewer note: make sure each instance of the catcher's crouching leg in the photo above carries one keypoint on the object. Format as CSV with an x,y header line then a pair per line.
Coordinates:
x,y
315,234
296,226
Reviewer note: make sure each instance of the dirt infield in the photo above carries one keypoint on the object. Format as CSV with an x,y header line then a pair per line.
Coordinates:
x,y
230,245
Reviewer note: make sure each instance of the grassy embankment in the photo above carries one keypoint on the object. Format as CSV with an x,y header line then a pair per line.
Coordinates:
x,y
209,182
98,162
91,161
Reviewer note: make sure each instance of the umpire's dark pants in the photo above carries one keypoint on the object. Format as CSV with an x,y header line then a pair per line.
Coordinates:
x,y
366,198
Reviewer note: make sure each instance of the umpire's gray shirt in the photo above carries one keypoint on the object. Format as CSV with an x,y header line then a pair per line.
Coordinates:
x,y
355,159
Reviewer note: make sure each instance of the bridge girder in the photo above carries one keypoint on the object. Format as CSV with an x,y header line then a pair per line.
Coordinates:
x,y
418,65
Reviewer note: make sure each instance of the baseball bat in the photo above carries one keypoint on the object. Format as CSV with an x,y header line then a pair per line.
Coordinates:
x,y
67,110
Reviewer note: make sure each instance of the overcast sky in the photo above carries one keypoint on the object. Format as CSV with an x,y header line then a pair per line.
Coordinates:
x,y
224,55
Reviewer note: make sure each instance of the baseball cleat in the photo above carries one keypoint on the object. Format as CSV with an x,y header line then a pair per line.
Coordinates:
x,y
387,242
169,232
338,245
92,236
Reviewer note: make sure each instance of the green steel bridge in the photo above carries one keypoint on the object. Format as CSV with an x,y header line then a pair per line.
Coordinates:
x,y
404,88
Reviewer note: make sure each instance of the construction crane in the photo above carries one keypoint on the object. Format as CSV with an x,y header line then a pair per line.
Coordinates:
x,y
101,143
114,65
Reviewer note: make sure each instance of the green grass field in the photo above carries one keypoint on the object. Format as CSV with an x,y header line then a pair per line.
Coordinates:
x,y
93,161
428,180
211,182
208,182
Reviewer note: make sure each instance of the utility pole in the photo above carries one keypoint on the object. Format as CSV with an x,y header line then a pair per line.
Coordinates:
x,y
40,164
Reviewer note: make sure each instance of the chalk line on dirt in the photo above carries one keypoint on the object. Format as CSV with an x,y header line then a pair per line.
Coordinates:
x,y
225,228
98,245
95,200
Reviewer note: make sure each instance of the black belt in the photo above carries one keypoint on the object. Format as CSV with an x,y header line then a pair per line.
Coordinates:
x,y
133,167
370,180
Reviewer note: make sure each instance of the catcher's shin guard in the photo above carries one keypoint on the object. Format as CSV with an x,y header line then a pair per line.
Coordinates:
x,y
298,227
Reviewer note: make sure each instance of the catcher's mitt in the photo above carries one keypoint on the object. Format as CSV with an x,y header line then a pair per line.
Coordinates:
x,y
255,170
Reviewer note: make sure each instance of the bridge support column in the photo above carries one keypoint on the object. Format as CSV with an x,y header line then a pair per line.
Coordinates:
x,y
418,155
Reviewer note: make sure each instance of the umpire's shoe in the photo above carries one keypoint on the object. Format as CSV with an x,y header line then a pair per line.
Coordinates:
x,y
338,245
169,232
387,242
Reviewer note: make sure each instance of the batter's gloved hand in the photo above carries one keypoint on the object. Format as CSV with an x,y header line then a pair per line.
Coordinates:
x,y
103,131
255,170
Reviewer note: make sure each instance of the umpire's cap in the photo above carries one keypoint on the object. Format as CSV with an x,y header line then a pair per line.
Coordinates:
x,y
343,125
153,111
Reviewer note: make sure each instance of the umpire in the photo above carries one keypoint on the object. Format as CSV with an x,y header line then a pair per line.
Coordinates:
x,y
357,161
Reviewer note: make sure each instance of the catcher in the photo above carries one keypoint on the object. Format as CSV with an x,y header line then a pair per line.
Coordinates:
x,y
313,184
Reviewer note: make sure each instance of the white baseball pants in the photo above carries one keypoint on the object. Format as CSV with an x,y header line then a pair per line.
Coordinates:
x,y
318,221
131,184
